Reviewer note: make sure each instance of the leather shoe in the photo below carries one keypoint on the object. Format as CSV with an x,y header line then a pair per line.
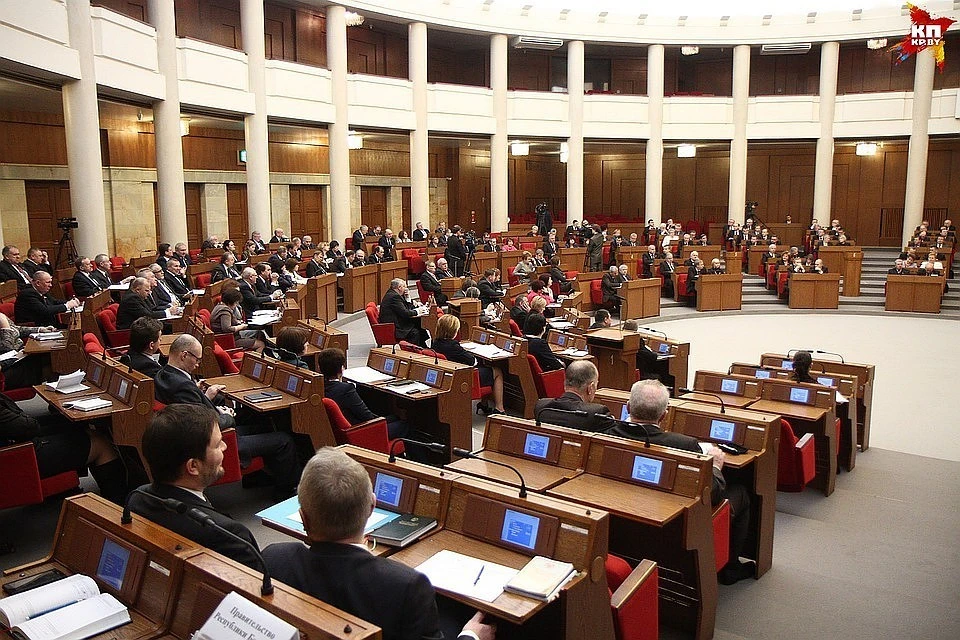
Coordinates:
x,y
734,572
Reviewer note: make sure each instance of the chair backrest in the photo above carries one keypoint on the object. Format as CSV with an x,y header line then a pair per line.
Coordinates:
x,y
373,313
634,598
796,462
224,361
6,308
549,384
515,328
107,320
21,478
424,294
117,262
409,346
338,421
596,292
204,315
202,280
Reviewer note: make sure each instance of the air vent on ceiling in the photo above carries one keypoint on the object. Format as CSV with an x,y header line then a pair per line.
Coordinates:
x,y
532,42
785,48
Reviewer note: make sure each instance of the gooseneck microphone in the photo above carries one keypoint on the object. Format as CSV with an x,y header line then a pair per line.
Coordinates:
x,y
436,447
176,506
652,330
830,353
463,453
723,406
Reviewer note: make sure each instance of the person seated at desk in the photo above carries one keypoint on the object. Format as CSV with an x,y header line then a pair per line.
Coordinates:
x,y
465,286
490,293
226,269
715,268
317,265
333,250
533,329
164,294
359,259
101,272
526,268
23,372
252,298
289,277
377,255
648,363
11,269
601,319
819,267
62,445
520,310
693,275
539,258
175,279
37,259
405,318
184,449
144,352
649,258
667,269
267,281
84,284
647,408
580,382
34,306
227,317
336,498
609,287
341,263
446,343
332,362
431,283
135,304
558,276
387,242
539,289
291,344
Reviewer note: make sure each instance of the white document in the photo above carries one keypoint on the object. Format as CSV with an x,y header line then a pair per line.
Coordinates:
x,y
466,575
264,312
197,292
88,404
561,324
30,604
365,375
69,383
9,355
469,346
49,335
170,314
264,319
79,620
236,617
410,387
491,351
123,286
573,351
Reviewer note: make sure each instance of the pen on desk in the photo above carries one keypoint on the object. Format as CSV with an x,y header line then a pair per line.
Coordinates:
x,y
478,575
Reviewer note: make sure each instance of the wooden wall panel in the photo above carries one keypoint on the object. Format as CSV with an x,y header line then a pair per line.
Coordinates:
x,y
238,222
629,76
31,143
136,9
689,183
192,193
787,75
862,71
214,149
376,53
458,67
214,21
46,201
949,78
535,179
311,37
278,24
306,211
528,70
373,206
472,187
125,148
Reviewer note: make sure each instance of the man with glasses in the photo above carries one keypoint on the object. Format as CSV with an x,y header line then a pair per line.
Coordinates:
x,y
174,384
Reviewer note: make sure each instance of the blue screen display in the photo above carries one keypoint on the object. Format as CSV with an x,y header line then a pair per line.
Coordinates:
x,y
508,345
799,395
388,489
562,340
113,564
664,347
482,337
257,372
292,383
721,430
520,529
536,445
729,386
431,377
625,413
647,469
787,364
760,373
829,382
389,364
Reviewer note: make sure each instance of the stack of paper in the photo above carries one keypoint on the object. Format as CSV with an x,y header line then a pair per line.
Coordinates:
x,y
491,351
88,404
561,324
466,575
573,351
9,355
541,578
50,335
69,383
410,386
365,375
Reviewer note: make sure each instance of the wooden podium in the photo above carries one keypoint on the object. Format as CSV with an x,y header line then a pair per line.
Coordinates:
x,y
450,286
722,292
641,298
814,291
631,256
572,259
321,297
847,262
359,287
914,293
755,257
468,311
387,271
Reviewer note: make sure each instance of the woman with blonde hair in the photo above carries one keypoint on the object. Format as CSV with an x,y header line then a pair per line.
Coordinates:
x,y
445,342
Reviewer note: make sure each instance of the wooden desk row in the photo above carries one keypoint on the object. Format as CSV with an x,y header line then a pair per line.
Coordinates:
x,y
921,294
369,283
616,354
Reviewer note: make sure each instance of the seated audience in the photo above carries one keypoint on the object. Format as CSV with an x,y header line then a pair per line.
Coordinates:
x,y
135,304
580,382
22,372
332,362
533,330
37,259
291,345
610,288
431,283
84,284
175,279
226,269
396,309
446,343
34,306
253,300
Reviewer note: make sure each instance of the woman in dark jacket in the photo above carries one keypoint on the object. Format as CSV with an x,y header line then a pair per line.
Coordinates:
x,y
445,342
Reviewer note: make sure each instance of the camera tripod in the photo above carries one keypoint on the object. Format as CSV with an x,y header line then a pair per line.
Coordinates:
x,y
66,249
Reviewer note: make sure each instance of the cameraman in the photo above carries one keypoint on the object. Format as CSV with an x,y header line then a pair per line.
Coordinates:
x,y
456,253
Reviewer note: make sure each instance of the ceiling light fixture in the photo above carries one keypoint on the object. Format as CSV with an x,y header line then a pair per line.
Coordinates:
x,y
876,43
687,151
866,148
519,149
354,140
690,50
352,18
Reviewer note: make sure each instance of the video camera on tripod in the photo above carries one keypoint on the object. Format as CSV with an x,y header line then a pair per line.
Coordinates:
x,y
66,249
67,223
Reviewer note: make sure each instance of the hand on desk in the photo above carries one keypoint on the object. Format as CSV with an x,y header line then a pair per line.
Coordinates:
x,y
480,629
212,391
227,410
717,454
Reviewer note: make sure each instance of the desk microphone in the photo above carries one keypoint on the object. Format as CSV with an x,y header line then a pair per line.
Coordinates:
x,y
829,353
266,587
652,330
436,447
463,453
723,406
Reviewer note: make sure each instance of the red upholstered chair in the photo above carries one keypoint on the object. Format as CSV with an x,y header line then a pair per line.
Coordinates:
x,y
721,534
196,256
512,279
634,598
22,393
67,287
596,293
107,319
415,262
233,472
782,279
116,268
549,384
606,254
22,484
369,435
92,345
6,308
202,280
680,287
528,246
796,460
515,328
384,333
424,294
224,361
772,275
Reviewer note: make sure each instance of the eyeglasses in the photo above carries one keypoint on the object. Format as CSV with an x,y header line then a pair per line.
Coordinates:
x,y
191,353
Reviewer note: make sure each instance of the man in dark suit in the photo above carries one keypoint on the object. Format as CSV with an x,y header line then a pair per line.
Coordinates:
x,y
898,270
667,268
647,408
550,246
184,449
533,329
431,283
377,256
279,236
331,363
579,387
594,247
442,270
693,274
387,242
134,305
489,293
358,237
181,253
610,285
258,242
101,272
144,352
174,384
252,298
456,253
162,292
34,306
819,267
544,218
226,269
336,498
420,234
267,281
649,258
317,265
405,318
84,284
37,259
175,279
277,259
11,269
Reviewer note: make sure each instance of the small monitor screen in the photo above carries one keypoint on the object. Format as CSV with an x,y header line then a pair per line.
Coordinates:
x,y
664,347
647,469
293,384
625,413
122,389
257,371
536,445
482,337
520,529
829,382
729,386
721,430
786,364
562,340
431,377
762,373
318,340
508,345
113,564
388,489
389,365
799,395
96,374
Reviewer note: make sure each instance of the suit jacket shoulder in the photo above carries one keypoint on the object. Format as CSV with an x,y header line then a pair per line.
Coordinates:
x,y
171,386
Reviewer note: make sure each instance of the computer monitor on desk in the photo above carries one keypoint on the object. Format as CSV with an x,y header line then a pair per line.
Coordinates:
x,y
258,369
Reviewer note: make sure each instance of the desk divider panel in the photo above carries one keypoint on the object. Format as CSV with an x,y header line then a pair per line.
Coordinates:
x,y
566,340
736,385
811,395
566,448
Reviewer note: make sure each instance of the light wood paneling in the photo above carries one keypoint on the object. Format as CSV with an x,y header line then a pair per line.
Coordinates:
x,y
306,211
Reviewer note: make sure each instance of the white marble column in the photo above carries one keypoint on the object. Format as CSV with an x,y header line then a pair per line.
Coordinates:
x,y
419,137
575,142
166,128
654,153
81,122
255,124
499,159
738,145
339,152
823,173
919,143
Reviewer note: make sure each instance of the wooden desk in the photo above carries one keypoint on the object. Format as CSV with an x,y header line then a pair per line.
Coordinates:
x,y
88,317
641,298
632,257
573,259
734,390
789,235
359,286
467,310
560,342
519,390
321,297
66,355
153,573
485,260
719,292
387,271
845,261
756,469
706,253
567,532
814,291
921,294
672,355
755,256
616,354
322,336
671,524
